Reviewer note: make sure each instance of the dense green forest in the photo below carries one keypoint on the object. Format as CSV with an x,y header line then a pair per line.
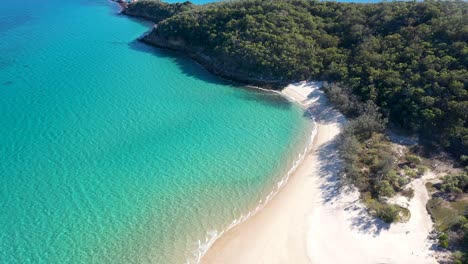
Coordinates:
x,y
155,11
410,58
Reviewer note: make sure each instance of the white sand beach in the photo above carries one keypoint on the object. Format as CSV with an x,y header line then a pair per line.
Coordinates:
x,y
312,221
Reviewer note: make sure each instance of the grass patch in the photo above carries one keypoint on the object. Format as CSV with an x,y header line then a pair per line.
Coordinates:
x,y
404,215
445,214
408,193
449,211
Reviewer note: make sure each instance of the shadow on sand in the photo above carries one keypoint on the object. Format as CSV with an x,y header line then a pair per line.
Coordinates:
x,y
330,170
322,110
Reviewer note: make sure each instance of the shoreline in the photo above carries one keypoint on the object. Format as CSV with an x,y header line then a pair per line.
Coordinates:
x,y
223,250
213,236
312,219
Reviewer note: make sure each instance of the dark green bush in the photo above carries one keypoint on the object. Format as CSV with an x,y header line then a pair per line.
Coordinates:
x,y
387,212
413,160
444,240
455,184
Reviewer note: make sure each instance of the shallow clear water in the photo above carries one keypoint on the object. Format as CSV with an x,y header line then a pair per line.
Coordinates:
x,y
115,152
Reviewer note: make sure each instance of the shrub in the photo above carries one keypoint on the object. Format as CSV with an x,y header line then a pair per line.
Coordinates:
x,y
455,184
421,169
388,213
385,189
396,180
342,98
460,258
369,122
413,160
402,181
411,173
443,240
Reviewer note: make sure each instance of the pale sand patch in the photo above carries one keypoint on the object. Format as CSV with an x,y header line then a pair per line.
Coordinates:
x,y
311,221
350,235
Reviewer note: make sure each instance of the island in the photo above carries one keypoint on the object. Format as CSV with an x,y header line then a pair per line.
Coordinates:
x,y
387,67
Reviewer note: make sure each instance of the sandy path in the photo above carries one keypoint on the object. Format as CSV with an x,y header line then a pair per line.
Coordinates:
x,y
311,221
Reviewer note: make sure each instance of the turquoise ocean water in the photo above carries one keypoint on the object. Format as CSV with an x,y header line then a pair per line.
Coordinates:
x,y
115,152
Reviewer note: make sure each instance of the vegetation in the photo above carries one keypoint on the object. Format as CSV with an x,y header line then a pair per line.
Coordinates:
x,y
408,58
389,213
455,184
449,210
370,161
155,10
